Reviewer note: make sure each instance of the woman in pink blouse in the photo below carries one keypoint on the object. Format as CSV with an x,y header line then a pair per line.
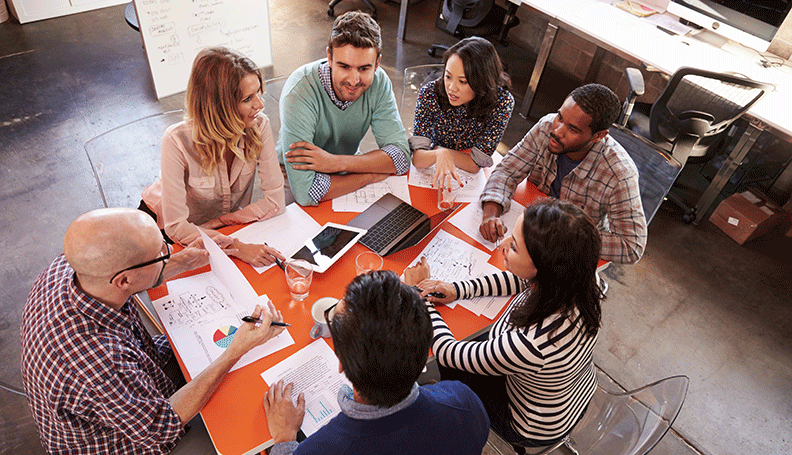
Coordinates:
x,y
209,160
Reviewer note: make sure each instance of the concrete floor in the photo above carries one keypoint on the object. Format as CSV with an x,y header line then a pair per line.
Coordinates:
x,y
697,303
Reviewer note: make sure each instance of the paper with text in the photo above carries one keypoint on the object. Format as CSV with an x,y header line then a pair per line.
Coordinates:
x,y
360,200
451,259
469,219
201,318
470,192
279,232
314,372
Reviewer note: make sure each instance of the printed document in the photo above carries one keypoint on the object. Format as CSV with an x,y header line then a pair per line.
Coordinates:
x,y
360,200
201,313
470,192
314,372
469,219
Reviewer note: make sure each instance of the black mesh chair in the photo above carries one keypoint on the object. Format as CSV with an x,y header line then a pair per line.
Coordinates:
x,y
690,118
694,110
333,3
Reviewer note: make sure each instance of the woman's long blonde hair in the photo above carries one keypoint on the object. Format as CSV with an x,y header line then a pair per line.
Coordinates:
x,y
213,94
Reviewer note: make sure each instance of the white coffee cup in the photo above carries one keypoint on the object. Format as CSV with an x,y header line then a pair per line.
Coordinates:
x,y
320,328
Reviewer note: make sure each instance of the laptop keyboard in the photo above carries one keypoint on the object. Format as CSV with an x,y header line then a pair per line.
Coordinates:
x,y
389,227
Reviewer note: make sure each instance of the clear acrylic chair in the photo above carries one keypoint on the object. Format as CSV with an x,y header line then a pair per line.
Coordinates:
x,y
415,77
626,423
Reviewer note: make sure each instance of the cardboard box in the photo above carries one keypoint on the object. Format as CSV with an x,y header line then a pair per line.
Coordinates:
x,y
746,216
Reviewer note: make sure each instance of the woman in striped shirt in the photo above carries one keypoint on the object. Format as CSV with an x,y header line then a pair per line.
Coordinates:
x,y
534,371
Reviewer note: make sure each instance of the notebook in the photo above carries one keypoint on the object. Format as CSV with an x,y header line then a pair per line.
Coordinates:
x,y
394,225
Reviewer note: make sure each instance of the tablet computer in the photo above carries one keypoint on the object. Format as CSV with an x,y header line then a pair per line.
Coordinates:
x,y
329,244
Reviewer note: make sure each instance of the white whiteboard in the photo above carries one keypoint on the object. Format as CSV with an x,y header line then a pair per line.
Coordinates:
x,y
174,31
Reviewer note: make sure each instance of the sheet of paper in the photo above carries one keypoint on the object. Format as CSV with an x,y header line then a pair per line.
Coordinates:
x,y
451,259
201,318
314,372
470,192
279,232
361,199
469,218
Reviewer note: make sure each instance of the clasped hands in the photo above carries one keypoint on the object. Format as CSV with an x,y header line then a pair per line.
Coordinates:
x,y
305,156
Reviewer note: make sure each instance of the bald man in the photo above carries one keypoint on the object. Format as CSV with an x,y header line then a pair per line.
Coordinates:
x,y
95,379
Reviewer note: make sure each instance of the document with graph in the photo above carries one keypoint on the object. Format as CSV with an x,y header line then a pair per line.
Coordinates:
x,y
314,372
201,313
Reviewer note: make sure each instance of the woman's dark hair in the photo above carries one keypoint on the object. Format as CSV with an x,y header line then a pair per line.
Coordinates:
x,y
484,73
382,337
564,245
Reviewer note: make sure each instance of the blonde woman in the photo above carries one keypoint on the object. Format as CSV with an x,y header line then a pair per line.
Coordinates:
x,y
209,160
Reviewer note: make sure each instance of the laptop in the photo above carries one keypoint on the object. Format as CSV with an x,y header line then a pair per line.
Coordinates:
x,y
394,225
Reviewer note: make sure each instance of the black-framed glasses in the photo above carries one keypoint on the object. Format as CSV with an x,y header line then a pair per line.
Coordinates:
x,y
327,313
164,258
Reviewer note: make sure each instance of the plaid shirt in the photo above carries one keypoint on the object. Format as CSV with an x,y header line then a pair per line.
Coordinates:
x,y
93,374
604,185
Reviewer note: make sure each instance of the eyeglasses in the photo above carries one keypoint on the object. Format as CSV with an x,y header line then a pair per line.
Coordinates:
x,y
164,258
327,313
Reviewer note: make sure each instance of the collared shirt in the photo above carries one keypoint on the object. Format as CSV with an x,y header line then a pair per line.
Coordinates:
x,y
321,183
185,196
455,129
93,375
604,185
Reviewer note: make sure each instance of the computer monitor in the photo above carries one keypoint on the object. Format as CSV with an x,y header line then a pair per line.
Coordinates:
x,y
750,23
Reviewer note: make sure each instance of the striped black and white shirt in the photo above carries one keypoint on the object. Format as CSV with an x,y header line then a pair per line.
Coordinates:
x,y
550,380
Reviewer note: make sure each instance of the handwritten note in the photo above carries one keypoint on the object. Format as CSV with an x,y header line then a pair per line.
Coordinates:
x,y
361,199
470,192
175,30
451,259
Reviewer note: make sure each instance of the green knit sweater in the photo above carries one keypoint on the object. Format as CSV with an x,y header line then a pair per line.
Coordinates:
x,y
308,114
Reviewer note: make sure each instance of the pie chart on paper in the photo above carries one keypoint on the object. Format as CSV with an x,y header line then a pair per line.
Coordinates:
x,y
224,335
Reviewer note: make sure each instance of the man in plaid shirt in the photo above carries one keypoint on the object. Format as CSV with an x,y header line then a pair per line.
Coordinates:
x,y
94,377
569,155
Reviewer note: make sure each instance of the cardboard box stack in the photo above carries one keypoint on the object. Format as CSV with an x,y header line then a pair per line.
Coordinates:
x,y
747,215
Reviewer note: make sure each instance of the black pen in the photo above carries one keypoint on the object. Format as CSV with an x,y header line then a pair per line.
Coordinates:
x,y
278,261
438,295
257,320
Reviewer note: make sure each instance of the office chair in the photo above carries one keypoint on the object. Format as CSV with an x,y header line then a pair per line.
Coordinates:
x,y
657,170
691,116
628,423
415,77
464,18
333,3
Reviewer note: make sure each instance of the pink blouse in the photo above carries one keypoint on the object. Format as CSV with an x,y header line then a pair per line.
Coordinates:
x,y
184,196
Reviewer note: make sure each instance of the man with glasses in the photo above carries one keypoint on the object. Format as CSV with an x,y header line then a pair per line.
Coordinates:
x,y
96,381
381,333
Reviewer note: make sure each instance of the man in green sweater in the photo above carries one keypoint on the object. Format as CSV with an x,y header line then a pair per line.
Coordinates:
x,y
326,108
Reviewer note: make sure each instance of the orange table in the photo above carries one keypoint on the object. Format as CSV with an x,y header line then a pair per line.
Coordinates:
x,y
234,415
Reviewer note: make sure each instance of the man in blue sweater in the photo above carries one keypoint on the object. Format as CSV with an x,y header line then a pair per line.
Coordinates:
x,y
381,332
326,108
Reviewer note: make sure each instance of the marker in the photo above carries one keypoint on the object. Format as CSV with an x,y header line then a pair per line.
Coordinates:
x,y
257,320
278,261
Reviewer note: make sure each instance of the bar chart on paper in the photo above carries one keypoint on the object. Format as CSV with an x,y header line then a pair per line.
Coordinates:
x,y
319,410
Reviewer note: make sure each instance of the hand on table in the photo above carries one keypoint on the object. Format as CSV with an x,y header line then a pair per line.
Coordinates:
x,y
430,286
256,255
189,258
445,169
283,416
306,156
492,227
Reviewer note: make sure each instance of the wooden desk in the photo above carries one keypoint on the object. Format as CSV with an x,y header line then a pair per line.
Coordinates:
x,y
234,416
632,37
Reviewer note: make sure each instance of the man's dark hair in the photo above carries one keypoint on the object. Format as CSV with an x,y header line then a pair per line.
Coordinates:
x,y
355,28
600,103
382,337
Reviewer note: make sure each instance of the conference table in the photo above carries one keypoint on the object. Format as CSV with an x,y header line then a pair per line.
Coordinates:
x,y
234,416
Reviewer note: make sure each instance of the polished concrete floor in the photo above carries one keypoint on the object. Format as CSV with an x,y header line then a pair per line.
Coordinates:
x,y
697,303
